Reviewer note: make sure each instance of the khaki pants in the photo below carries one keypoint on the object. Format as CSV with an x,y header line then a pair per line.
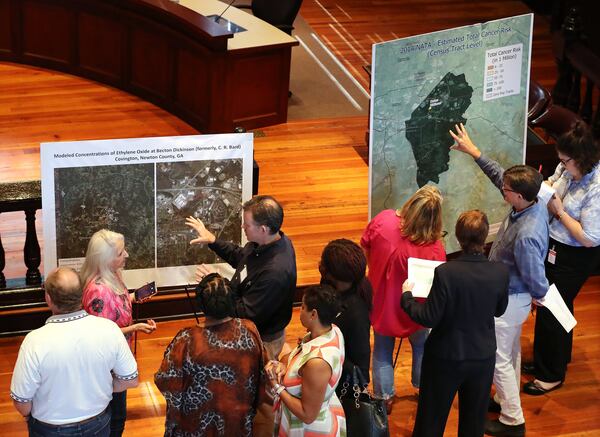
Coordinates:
x,y
263,425
274,346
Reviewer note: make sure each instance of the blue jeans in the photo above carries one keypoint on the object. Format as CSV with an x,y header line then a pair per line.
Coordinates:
x,y
383,372
118,407
98,426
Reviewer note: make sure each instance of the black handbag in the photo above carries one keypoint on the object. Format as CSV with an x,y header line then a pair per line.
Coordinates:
x,y
365,415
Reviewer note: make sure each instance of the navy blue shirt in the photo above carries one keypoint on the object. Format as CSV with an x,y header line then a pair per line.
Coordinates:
x,y
266,294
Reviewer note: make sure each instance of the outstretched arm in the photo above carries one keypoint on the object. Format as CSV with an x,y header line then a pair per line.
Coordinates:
x,y
463,142
204,235
431,311
491,168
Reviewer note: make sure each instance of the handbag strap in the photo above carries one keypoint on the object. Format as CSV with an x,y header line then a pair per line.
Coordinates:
x,y
356,380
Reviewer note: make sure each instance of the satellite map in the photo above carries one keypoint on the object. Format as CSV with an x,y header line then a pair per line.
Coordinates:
x,y
421,87
116,197
427,129
209,190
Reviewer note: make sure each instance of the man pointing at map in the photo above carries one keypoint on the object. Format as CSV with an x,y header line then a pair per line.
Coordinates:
x,y
264,281
521,244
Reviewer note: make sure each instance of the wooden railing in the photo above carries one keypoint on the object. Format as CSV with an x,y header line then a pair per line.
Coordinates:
x,y
26,197
576,44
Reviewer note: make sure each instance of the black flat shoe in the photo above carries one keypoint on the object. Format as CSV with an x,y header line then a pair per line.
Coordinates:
x,y
495,427
493,406
531,388
528,368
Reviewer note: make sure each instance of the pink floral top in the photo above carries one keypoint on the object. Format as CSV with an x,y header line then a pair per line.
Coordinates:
x,y
99,300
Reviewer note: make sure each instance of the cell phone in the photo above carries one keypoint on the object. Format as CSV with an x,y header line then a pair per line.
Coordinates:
x,y
145,291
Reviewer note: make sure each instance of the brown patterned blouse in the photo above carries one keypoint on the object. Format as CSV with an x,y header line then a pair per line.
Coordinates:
x,y
211,378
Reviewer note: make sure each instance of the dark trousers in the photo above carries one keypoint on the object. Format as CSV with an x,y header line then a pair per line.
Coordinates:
x,y
118,408
98,426
552,344
440,380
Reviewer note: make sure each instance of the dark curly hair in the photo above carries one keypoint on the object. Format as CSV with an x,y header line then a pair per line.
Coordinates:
x,y
579,144
214,297
345,261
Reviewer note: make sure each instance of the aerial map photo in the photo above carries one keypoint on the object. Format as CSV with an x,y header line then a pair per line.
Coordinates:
x,y
427,129
117,197
210,190
422,86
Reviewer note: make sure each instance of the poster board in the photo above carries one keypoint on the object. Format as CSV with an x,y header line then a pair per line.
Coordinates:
x,y
144,188
422,86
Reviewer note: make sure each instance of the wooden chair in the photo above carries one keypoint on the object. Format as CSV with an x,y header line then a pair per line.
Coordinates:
x,y
539,100
556,121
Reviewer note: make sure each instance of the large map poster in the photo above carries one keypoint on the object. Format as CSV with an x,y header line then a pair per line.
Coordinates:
x,y
421,87
144,188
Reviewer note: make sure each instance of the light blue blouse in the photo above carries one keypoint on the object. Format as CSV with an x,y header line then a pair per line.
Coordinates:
x,y
581,200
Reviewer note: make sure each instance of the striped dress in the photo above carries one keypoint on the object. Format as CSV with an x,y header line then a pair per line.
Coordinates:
x,y
331,420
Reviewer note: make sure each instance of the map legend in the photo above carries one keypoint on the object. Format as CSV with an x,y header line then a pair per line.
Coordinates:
x,y
502,75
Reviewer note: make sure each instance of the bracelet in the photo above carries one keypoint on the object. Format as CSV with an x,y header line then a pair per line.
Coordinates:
x,y
560,214
278,388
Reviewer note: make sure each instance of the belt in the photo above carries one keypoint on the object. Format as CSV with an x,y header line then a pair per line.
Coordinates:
x,y
66,425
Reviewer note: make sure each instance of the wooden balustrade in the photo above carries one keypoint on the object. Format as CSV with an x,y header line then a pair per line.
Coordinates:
x,y
26,197
576,44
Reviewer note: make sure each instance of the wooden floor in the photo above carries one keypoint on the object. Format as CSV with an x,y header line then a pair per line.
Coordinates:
x,y
574,410
316,168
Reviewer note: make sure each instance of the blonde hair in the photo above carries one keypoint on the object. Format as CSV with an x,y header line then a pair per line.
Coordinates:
x,y
102,250
422,216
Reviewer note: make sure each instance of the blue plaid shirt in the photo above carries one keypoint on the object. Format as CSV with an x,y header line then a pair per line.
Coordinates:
x,y
521,242
581,200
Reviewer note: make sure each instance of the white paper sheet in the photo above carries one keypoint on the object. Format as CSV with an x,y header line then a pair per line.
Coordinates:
x,y
555,303
420,273
546,192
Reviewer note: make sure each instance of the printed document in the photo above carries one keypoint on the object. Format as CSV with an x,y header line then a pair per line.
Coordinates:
x,y
557,306
420,273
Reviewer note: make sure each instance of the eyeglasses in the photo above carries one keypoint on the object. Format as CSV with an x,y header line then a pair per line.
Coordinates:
x,y
504,189
564,161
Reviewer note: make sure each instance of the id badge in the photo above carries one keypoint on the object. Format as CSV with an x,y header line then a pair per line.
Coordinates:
x,y
244,274
552,256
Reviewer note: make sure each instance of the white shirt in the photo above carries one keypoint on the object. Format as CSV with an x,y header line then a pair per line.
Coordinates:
x,y
65,368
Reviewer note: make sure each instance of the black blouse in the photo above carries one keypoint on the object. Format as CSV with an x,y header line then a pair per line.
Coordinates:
x,y
353,321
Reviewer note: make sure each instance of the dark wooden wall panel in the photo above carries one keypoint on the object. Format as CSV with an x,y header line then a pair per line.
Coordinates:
x,y
47,32
255,93
192,84
101,46
5,36
150,56
261,92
